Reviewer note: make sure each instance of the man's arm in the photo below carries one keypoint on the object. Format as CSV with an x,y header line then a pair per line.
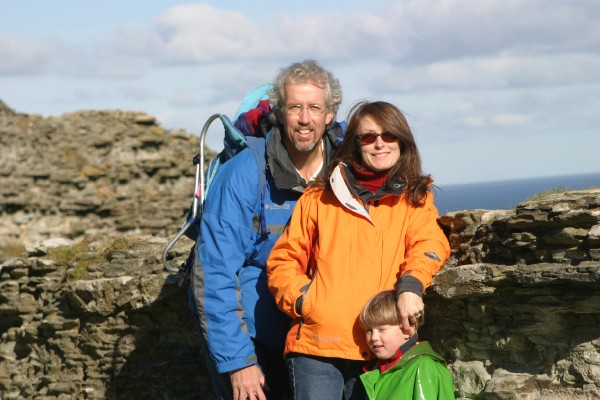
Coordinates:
x,y
224,244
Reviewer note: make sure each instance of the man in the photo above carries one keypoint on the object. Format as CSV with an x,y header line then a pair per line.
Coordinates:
x,y
237,316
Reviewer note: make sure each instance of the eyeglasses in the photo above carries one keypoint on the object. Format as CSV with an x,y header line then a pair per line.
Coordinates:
x,y
370,138
296,109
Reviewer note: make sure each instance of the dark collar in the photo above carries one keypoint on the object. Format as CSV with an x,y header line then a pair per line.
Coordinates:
x,y
395,187
280,164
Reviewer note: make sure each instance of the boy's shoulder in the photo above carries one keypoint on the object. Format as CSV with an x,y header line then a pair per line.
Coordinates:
x,y
421,349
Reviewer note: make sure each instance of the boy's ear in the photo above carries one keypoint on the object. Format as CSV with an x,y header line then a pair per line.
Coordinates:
x,y
407,333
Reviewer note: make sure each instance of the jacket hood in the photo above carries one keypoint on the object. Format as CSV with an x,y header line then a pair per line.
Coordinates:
x,y
424,349
351,194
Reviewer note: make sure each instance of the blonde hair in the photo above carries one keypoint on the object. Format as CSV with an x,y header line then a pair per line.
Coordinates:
x,y
382,309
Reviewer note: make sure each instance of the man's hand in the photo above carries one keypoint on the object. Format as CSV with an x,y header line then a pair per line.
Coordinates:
x,y
248,383
411,307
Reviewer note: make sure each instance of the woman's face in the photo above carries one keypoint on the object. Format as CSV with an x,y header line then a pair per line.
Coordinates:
x,y
383,153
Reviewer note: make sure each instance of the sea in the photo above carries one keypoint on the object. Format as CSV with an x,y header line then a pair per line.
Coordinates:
x,y
505,195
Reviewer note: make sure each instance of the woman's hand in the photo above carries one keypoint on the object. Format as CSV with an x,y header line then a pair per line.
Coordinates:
x,y
410,305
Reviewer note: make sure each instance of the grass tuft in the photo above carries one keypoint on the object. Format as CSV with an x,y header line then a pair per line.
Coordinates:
x,y
13,249
82,255
558,190
546,193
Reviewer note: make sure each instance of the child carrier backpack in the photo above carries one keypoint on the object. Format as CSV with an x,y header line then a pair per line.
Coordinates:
x,y
248,131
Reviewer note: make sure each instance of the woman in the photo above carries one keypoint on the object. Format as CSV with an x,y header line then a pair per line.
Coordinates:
x,y
370,226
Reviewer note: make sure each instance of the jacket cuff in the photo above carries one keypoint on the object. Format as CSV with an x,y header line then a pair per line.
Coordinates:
x,y
409,284
228,366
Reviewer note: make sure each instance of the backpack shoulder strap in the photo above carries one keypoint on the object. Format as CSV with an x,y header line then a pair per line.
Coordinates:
x,y
257,145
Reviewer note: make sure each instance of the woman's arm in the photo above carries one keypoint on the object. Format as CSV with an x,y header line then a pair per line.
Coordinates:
x,y
288,264
427,249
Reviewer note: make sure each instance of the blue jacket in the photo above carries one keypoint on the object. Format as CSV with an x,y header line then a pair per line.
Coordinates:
x,y
230,284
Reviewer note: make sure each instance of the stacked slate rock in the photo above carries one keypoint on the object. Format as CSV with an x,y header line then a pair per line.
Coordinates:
x,y
91,172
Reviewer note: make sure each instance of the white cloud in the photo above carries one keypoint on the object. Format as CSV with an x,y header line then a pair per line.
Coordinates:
x,y
21,57
196,34
474,121
447,29
512,120
457,42
496,72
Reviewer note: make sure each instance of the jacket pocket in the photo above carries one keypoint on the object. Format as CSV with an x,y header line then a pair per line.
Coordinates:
x,y
300,303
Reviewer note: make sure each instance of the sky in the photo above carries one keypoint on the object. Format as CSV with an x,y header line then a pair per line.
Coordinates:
x,y
493,90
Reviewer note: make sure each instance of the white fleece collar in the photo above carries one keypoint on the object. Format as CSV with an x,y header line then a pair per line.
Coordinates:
x,y
343,194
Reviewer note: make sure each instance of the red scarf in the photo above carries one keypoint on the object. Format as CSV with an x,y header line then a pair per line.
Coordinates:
x,y
385,365
370,180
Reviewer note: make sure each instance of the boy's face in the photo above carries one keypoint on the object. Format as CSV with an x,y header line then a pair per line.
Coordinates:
x,y
385,340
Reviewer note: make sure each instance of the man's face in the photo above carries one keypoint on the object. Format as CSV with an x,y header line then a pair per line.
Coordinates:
x,y
305,130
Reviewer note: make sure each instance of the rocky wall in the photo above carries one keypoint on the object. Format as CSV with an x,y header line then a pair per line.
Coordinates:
x,y
120,329
516,310
91,172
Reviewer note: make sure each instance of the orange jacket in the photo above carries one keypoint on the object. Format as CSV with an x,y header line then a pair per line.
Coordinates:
x,y
334,255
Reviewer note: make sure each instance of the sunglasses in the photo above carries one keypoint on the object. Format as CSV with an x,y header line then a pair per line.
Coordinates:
x,y
370,138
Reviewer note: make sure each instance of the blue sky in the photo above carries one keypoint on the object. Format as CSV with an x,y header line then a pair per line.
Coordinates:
x,y
494,90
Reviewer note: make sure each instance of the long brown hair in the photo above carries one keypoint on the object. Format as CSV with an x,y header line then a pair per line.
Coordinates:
x,y
392,120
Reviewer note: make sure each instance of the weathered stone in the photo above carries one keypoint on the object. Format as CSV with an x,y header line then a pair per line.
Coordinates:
x,y
567,236
56,323
472,375
594,235
145,120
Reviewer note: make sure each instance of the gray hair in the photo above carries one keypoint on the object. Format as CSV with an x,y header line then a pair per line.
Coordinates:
x,y
307,71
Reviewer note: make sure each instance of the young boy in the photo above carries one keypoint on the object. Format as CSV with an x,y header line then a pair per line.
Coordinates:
x,y
405,368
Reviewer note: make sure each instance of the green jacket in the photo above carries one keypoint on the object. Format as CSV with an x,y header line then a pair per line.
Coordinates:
x,y
420,374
